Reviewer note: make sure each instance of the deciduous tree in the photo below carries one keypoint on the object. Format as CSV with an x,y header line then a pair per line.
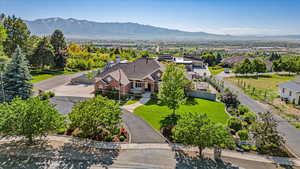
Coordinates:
x,y
265,133
29,118
17,35
95,115
43,54
171,92
194,129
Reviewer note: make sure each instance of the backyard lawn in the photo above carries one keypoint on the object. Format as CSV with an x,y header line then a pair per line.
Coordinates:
x,y
43,75
263,84
153,113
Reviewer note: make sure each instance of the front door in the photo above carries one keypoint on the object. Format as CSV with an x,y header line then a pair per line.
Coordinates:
x,y
147,87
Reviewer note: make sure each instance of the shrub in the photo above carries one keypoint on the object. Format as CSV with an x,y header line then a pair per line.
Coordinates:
x,y
47,95
61,131
230,99
246,147
253,148
242,110
29,118
249,117
96,115
243,134
235,124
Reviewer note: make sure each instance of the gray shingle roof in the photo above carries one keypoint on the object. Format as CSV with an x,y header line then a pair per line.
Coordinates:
x,y
293,85
138,69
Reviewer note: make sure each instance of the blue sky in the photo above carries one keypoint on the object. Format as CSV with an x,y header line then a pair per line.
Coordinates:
x,y
237,17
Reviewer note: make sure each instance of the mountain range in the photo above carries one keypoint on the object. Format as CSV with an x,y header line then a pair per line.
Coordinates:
x,y
83,29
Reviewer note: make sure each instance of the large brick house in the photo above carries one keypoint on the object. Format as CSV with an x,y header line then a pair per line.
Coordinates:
x,y
144,74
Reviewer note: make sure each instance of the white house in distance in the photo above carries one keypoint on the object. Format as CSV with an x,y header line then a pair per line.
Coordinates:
x,y
290,91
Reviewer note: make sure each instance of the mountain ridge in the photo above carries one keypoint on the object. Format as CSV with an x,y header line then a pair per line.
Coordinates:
x,y
85,29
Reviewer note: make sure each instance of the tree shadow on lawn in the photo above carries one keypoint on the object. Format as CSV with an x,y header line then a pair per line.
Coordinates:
x,y
189,101
186,162
71,155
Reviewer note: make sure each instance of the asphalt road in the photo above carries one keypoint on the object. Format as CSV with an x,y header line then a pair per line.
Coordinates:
x,y
56,81
290,133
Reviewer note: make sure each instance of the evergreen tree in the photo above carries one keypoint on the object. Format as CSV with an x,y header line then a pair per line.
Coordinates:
x,y
43,54
17,78
17,35
274,56
60,48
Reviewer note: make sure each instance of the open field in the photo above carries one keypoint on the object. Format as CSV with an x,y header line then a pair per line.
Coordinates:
x,y
43,75
262,87
153,112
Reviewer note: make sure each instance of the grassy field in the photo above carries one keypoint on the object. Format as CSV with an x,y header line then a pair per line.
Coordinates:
x,y
214,70
265,86
153,113
43,75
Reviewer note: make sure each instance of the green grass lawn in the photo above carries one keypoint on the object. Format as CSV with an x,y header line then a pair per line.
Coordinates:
x,y
131,101
262,84
214,70
43,75
153,113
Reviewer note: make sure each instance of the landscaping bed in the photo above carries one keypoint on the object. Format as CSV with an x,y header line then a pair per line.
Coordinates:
x,y
153,112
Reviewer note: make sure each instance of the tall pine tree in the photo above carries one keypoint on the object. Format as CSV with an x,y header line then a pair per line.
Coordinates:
x,y
17,78
60,48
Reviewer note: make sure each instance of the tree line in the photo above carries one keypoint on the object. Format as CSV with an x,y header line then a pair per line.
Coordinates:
x,y
257,65
40,51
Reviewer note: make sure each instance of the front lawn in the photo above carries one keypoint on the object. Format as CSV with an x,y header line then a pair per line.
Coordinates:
x,y
153,113
43,75
263,87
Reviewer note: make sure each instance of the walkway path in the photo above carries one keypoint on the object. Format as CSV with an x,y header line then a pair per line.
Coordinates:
x,y
291,134
140,131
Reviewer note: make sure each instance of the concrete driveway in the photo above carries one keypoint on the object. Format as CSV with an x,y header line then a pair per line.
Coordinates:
x,y
74,90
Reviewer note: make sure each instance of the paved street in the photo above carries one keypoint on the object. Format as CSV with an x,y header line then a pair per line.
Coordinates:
x,y
291,134
56,81
65,152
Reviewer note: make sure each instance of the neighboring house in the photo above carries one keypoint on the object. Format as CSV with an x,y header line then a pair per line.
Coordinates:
x,y
144,74
290,91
